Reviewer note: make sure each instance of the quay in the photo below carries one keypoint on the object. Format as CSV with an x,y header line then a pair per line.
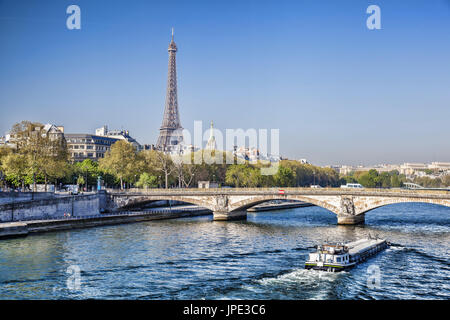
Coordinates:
x,y
23,228
279,206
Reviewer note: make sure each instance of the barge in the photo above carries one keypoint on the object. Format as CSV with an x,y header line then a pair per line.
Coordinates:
x,y
339,257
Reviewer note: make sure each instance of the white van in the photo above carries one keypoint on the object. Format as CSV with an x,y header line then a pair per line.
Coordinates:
x,y
352,186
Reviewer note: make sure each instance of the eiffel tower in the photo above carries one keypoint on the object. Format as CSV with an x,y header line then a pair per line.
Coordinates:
x,y
170,133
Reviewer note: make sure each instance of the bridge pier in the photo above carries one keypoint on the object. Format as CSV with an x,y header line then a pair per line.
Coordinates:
x,y
227,216
351,219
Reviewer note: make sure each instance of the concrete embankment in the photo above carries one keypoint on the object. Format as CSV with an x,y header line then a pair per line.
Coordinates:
x,y
17,229
13,229
53,207
279,206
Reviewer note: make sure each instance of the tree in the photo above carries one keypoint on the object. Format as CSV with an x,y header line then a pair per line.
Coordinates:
x,y
4,152
58,169
446,180
236,175
80,180
367,180
90,171
349,179
155,163
189,171
254,177
285,177
384,180
45,151
147,181
184,169
165,165
120,161
16,168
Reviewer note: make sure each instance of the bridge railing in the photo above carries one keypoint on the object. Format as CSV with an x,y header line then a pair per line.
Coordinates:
x,y
280,191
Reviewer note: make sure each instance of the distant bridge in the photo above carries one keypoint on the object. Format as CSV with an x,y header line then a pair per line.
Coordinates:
x,y
350,206
410,185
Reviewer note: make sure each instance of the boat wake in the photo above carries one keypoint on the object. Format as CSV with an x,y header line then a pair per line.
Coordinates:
x,y
300,278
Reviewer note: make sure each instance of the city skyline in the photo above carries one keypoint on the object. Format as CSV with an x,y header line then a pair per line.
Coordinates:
x,y
363,104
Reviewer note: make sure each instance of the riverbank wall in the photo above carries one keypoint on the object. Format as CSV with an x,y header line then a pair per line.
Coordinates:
x,y
19,229
13,197
53,207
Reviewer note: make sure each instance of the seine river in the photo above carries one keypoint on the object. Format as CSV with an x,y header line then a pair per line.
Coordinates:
x,y
261,258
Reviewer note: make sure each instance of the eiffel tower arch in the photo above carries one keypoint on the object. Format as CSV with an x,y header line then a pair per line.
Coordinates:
x,y
170,133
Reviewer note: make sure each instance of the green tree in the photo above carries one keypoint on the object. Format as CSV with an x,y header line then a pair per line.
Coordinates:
x,y
45,151
4,152
236,175
147,181
120,161
89,169
446,180
285,177
158,163
349,179
16,168
368,179
80,181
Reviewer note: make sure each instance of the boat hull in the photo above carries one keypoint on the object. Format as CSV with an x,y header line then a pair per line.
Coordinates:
x,y
328,268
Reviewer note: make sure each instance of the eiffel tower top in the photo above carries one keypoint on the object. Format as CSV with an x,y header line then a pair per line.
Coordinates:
x,y
172,45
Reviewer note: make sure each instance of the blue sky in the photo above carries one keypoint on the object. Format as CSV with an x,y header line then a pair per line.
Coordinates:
x,y
338,92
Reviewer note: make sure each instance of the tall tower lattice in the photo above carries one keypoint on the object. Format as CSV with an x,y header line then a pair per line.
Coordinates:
x,y
170,133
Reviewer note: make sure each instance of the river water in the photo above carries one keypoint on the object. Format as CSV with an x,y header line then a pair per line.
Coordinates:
x,y
261,258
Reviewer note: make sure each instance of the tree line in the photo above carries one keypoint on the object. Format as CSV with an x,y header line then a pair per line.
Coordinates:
x,y
38,157
374,179
393,179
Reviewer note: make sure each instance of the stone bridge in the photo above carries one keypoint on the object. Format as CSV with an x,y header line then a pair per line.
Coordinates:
x,y
350,206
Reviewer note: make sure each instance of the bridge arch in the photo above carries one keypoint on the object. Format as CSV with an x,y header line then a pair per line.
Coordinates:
x,y
371,204
121,203
252,201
